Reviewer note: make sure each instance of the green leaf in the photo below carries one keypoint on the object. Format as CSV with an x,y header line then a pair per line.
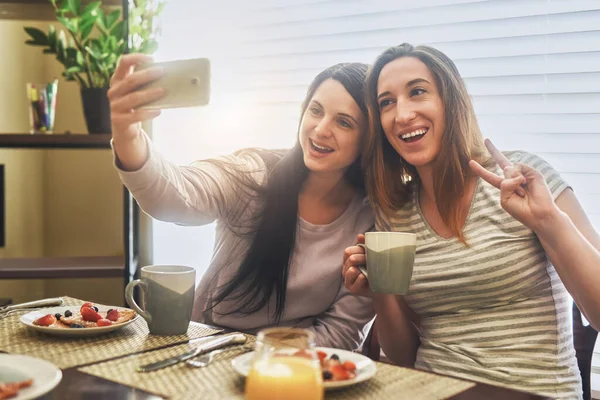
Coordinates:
x,y
86,28
38,36
65,6
91,7
74,6
71,53
92,52
52,36
72,70
112,44
159,9
149,47
80,59
101,19
87,18
68,23
112,18
34,43
48,51
62,39
61,55
118,30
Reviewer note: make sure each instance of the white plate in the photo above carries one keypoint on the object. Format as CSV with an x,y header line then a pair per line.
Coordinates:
x,y
45,375
28,319
365,367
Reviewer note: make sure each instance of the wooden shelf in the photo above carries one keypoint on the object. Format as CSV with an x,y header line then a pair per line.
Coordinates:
x,y
55,141
104,2
62,267
38,10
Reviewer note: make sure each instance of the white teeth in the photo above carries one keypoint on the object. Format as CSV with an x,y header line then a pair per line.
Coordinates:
x,y
321,147
415,133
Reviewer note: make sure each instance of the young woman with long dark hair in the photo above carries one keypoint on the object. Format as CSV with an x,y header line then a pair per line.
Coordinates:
x,y
283,217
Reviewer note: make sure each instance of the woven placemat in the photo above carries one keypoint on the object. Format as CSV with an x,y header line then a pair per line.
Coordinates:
x,y
391,382
216,381
220,381
67,352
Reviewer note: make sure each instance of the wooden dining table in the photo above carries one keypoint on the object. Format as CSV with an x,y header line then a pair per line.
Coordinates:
x,y
104,367
77,385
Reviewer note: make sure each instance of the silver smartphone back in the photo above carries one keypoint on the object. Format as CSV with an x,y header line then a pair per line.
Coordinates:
x,y
187,83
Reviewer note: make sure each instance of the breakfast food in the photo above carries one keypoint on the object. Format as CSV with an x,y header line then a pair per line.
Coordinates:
x,y
333,368
88,316
8,390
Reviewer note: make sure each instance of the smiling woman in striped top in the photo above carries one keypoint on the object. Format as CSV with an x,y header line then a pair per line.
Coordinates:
x,y
501,238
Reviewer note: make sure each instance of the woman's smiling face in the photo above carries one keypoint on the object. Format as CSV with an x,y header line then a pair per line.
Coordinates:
x,y
331,129
411,110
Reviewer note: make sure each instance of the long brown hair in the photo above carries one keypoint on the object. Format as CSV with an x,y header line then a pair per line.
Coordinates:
x,y
263,273
390,179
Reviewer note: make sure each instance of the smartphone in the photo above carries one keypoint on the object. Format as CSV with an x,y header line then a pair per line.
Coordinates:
x,y
187,83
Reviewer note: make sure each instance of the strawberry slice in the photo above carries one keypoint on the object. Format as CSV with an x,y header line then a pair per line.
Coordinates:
x,y
104,322
339,373
322,355
89,314
46,320
86,305
112,314
349,366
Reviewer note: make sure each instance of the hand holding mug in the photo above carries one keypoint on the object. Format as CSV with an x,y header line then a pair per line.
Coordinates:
x,y
388,262
354,260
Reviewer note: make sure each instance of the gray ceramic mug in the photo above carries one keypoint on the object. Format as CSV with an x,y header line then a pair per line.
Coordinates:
x,y
167,298
390,258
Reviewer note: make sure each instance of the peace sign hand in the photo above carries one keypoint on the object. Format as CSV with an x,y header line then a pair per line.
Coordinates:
x,y
524,193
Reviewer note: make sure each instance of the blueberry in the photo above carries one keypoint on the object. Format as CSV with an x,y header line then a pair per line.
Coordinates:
x,y
95,308
76,326
327,375
68,313
57,315
335,357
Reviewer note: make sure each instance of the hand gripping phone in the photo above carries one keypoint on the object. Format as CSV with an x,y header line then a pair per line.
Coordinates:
x,y
187,83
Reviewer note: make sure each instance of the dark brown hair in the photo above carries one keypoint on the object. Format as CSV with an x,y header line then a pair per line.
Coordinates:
x,y
264,269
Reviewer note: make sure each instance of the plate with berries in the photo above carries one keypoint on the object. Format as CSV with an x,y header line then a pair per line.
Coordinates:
x,y
88,319
340,368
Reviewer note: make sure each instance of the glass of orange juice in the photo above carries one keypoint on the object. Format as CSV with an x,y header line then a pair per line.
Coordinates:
x,y
285,366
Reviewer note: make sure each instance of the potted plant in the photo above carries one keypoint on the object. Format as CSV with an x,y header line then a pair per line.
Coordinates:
x,y
91,48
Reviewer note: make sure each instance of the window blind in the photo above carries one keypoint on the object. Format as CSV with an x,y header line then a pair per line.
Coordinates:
x,y
532,68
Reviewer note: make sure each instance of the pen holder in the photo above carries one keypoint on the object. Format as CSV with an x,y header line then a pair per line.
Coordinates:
x,y
41,98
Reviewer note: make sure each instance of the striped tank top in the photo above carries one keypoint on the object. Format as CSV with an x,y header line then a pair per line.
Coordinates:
x,y
497,311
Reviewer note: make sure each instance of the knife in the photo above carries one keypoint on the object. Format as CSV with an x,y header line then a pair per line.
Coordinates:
x,y
222,341
56,301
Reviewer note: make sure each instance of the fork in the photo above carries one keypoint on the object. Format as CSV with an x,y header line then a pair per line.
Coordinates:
x,y
204,359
